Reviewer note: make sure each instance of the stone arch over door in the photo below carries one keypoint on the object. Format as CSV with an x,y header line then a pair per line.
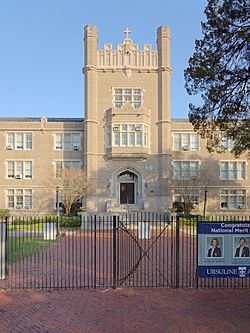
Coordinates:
x,y
130,180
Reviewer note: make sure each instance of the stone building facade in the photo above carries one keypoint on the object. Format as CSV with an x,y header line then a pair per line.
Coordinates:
x,y
136,157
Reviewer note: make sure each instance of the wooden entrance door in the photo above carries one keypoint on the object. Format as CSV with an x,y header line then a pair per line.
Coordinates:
x,y
127,193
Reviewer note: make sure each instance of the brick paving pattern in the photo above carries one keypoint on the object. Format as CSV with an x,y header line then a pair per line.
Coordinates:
x,y
69,263
159,310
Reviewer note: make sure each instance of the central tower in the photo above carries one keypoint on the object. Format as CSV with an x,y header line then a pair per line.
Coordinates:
x,y
127,149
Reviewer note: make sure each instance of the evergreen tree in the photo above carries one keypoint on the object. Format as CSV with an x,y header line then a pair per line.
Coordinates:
x,y
219,71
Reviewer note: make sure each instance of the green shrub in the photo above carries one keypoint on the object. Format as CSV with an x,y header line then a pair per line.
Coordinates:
x,y
70,222
187,220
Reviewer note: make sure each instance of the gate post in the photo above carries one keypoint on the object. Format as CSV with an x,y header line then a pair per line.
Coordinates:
x,y
3,249
114,252
95,252
197,254
177,257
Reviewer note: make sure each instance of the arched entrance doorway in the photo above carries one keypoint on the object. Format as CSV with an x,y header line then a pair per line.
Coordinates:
x,y
127,183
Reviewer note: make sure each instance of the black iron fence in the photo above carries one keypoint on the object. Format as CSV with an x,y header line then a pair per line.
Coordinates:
x,y
102,251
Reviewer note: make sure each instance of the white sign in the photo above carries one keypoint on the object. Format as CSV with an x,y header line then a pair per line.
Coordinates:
x,y
144,230
49,231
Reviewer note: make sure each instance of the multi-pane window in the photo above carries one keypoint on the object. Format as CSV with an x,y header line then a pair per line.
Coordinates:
x,y
185,169
122,96
28,169
127,135
19,169
11,169
68,141
227,143
28,140
19,141
232,170
76,140
185,141
61,165
19,199
187,196
59,141
233,198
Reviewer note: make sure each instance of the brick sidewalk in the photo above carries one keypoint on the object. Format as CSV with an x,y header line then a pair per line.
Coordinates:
x,y
125,310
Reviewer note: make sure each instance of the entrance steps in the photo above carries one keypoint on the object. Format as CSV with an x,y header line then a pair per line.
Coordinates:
x,y
124,209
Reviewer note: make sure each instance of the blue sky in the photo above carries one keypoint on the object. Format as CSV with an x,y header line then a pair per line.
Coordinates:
x,y
41,53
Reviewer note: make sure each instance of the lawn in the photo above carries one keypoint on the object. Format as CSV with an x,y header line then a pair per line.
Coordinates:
x,y
25,246
32,227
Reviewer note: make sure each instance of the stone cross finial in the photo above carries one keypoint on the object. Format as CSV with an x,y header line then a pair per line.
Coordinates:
x,y
127,32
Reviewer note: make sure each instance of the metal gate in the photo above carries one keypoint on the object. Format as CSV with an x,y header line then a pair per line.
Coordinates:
x,y
144,252
136,250
103,251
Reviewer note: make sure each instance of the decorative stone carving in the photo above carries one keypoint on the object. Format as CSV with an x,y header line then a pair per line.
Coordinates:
x,y
127,72
44,121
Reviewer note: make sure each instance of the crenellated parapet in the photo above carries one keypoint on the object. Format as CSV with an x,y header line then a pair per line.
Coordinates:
x,y
127,54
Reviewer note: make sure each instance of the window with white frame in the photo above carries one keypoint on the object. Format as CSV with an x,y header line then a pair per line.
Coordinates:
x,y
192,195
226,142
127,135
19,141
61,165
185,141
232,170
19,199
122,96
68,141
186,169
19,169
233,198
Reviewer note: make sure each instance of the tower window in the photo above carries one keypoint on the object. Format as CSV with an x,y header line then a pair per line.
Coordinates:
x,y
123,96
127,135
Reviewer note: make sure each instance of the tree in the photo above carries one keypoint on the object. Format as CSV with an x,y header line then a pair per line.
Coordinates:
x,y
188,191
219,71
41,202
72,187
193,186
